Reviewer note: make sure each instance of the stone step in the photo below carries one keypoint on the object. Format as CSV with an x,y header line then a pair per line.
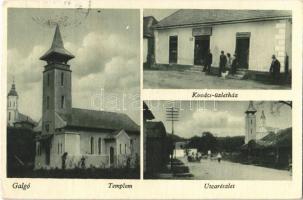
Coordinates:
x,y
237,76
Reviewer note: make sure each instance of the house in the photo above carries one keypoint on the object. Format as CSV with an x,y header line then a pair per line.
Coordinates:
x,y
72,137
148,40
183,38
14,117
156,143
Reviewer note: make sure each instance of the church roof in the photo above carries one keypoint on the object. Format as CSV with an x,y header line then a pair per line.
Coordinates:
x,y
25,118
190,17
100,119
57,48
12,91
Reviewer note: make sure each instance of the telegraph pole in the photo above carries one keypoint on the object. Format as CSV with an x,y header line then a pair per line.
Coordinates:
x,y
172,115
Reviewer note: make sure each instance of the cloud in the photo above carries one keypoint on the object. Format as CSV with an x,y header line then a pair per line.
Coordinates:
x,y
102,61
217,122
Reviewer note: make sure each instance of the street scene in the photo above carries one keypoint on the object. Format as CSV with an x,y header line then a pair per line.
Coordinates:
x,y
209,140
217,49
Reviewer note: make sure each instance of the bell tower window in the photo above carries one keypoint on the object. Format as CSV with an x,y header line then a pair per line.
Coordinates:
x,y
48,79
47,102
62,101
62,78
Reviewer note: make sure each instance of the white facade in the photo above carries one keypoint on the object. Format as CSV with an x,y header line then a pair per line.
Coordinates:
x,y
12,110
266,38
94,147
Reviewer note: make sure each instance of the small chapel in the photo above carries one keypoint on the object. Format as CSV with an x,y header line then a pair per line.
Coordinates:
x,y
72,137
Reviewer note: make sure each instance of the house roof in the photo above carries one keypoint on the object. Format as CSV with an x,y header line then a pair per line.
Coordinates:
x,y
57,49
155,129
100,119
147,113
282,139
148,22
189,17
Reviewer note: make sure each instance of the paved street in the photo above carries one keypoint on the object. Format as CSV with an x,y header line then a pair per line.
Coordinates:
x,y
212,170
198,80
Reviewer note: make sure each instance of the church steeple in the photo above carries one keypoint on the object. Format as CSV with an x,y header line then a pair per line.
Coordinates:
x,y
250,123
12,105
57,84
57,52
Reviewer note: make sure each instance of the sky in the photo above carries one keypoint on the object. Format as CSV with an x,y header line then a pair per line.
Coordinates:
x,y
105,70
222,118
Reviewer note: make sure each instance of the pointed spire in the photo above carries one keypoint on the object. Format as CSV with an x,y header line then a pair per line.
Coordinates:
x,y
57,41
57,52
251,108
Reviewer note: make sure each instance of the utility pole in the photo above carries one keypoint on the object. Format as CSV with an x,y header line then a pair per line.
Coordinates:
x,y
172,115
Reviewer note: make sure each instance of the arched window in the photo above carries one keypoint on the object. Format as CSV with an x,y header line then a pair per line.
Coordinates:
x,y
120,148
92,145
99,146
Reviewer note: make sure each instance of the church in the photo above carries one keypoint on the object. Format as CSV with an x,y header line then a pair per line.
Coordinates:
x,y
14,117
256,129
72,137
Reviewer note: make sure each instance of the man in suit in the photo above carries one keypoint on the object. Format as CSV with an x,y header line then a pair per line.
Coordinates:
x,y
208,61
275,69
222,63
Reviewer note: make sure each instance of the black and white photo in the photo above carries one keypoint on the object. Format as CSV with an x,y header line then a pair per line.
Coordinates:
x,y
217,49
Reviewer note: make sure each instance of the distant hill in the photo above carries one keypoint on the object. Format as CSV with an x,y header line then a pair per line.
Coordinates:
x,y
176,138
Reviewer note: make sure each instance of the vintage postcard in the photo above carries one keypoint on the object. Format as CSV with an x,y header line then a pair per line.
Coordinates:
x,y
162,100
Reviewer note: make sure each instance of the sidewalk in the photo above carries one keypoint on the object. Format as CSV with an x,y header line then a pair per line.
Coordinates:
x,y
190,80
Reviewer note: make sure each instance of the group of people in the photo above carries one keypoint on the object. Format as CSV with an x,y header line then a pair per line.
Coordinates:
x,y
227,64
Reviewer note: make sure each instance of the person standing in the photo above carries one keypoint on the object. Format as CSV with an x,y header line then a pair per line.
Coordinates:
x,y
219,157
222,63
234,64
208,61
275,69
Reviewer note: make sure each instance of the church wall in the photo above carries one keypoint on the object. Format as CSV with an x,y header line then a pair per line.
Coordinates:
x,y
57,150
40,159
85,142
72,143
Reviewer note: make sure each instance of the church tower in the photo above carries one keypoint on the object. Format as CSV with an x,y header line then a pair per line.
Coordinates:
x,y
263,120
12,105
56,84
250,123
